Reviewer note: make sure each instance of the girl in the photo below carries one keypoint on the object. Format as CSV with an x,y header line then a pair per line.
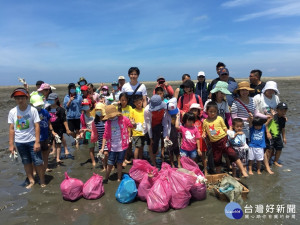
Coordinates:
x,y
88,128
190,143
215,128
196,110
116,136
100,126
59,123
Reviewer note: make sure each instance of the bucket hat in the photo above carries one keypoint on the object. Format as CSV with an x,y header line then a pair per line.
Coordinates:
x,y
36,100
172,106
111,111
156,103
81,79
244,85
270,85
221,86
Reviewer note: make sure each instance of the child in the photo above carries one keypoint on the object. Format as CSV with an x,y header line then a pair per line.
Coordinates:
x,y
237,139
100,126
171,133
277,130
196,110
116,136
59,123
215,128
24,131
257,143
138,136
190,143
89,129
160,91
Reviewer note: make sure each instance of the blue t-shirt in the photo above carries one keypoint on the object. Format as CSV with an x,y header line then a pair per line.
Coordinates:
x,y
44,124
74,109
257,137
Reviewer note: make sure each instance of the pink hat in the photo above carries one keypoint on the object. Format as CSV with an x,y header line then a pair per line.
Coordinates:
x,y
44,86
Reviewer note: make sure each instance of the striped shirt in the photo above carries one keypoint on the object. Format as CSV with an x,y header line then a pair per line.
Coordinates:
x,y
100,129
238,110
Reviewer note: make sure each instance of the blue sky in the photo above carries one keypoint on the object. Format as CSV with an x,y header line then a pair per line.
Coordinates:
x,y
60,41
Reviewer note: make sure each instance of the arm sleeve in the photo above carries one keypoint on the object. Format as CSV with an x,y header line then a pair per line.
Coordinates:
x,y
66,99
36,117
170,90
260,115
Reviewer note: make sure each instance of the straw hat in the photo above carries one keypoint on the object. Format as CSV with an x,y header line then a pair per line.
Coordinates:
x,y
244,85
100,106
111,112
221,86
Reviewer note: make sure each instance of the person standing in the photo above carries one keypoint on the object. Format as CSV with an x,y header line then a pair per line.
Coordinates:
x,y
202,87
168,90
255,82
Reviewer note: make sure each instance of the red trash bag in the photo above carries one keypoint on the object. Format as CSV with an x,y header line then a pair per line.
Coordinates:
x,y
198,191
71,188
139,168
145,186
93,187
190,165
180,184
159,195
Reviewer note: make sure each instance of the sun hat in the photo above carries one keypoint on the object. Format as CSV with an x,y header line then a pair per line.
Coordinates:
x,y
223,71
19,92
195,106
221,86
270,85
244,85
121,78
36,100
86,101
201,73
82,79
111,111
104,87
156,103
172,106
52,96
44,86
160,78
282,105
100,106
84,88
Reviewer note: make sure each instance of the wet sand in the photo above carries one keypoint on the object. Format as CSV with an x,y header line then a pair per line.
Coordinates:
x,y
46,206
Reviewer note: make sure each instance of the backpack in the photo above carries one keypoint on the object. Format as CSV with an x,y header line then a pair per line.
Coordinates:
x,y
196,96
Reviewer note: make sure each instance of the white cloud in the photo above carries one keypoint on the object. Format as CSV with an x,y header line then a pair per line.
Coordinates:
x,y
236,3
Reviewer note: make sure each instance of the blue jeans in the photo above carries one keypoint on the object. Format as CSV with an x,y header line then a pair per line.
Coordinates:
x,y
116,156
191,154
27,154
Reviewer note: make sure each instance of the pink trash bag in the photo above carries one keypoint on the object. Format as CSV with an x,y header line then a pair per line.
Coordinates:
x,y
180,184
71,188
139,168
160,194
93,187
190,165
145,186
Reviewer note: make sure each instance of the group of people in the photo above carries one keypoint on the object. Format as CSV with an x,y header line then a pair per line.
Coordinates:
x,y
239,122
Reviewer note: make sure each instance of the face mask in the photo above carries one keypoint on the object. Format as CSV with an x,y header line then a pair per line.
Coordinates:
x,y
104,92
115,88
86,107
82,83
98,113
51,101
72,91
40,93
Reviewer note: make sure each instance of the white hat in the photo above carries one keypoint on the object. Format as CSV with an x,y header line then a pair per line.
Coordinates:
x,y
201,73
172,106
271,85
195,106
121,78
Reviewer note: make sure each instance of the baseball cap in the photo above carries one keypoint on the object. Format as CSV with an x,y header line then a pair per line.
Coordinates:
x,y
44,86
223,71
121,78
282,105
201,73
84,88
53,96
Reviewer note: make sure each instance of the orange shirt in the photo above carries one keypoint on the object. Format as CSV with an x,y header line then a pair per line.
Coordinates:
x,y
157,117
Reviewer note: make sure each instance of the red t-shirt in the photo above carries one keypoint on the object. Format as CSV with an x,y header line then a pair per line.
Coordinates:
x,y
157,117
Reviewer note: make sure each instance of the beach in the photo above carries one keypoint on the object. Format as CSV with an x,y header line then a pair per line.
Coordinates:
x,y
46,206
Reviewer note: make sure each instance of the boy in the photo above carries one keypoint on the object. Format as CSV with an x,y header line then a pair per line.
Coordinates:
x,y
138,136
24,130
160,91
277,130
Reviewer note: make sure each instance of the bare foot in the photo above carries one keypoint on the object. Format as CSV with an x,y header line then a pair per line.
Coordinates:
x,y
238,179
48,170
43,185
119,180
250,173
270,172
277,164
258,172
94,164
30,185
124,163
103,170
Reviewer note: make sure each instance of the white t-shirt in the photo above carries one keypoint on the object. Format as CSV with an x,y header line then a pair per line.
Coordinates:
x,y
24,123
222,108
264,104
129,89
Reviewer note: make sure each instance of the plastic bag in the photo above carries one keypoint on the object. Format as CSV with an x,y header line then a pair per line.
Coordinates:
x,y
159,195
198,191
127,190
93,187
190,165
145,186
71,188
140,168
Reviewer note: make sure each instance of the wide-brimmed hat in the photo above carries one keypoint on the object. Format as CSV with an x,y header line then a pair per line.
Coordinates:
x,y
44,86
270,85
156,103
100,106
36,100
221,86
244,85
82,79
111,111
172,106
52,96
195,106
19,92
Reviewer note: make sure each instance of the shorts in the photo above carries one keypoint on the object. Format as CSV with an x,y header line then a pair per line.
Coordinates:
x,y
138,141
156,136
219,148
276,144
191,154
27,154
256,154
91,144
242,153
74,124
203,145
147,139
174,149
114,157
44,145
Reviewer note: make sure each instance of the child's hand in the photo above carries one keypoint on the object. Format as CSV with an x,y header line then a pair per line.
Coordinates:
x,y
199,152
269,136
284,140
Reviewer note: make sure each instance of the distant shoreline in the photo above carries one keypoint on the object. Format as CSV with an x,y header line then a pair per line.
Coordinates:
x,y
171,82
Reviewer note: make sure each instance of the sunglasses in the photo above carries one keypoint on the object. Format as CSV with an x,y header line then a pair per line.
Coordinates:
x,y
201,77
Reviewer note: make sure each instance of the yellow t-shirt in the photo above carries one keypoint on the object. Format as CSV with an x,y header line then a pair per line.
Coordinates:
x,y
215,130
138,116
126,111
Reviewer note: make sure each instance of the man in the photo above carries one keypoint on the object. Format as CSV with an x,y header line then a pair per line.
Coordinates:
x,y
202,86
179,91
168,90
121,82
255,82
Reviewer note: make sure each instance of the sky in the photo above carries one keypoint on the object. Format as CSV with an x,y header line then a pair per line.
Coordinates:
x,y
60,41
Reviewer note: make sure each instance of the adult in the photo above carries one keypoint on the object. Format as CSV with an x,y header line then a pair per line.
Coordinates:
x,y
133,87
82,81
202,87
45,89
72,104
168,90
266,103
179,91
243,106
37,85
232,85
255,82
121,82
93,93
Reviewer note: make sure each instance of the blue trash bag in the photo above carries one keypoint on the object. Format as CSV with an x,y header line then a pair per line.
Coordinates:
x,y
127,190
